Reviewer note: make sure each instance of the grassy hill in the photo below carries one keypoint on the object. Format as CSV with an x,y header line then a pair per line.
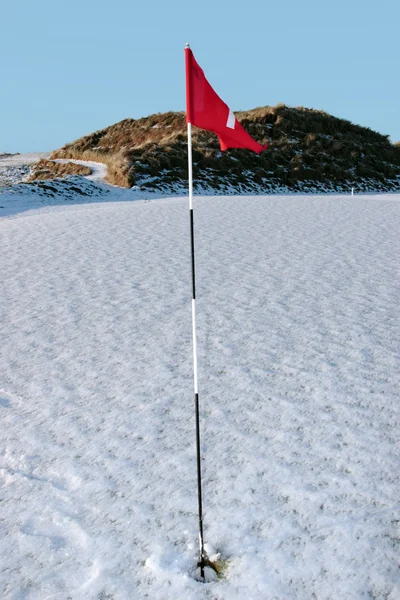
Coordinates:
x,y
308,150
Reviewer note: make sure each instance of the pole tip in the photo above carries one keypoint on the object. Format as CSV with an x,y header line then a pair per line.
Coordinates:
x,y
187,45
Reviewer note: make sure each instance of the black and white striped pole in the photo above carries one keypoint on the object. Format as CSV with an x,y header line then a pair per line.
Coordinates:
x,y
194,335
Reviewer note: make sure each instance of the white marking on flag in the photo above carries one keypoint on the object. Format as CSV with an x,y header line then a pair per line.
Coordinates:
x,y
231,120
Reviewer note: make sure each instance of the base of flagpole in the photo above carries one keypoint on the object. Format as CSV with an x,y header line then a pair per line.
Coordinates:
x,y
210,575
206,571
214,567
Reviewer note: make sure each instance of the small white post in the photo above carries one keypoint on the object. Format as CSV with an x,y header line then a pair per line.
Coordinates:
x,y
352,191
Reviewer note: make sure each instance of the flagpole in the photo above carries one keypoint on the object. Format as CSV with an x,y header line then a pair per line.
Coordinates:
x,y
194,332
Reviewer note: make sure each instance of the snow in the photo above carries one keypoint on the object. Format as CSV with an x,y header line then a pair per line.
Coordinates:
x,y
298,342
16,167
24,197
22,159
99,170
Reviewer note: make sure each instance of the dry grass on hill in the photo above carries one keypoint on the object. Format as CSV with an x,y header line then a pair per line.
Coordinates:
x,y
306,147
48,169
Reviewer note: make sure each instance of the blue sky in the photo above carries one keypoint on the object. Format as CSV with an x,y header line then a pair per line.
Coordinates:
x,y
70,68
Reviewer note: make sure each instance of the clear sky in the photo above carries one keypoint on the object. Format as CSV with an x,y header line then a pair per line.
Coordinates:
x,y
70,68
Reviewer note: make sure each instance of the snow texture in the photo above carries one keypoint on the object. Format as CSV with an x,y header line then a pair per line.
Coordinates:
x,y
99,170
298,341
16,167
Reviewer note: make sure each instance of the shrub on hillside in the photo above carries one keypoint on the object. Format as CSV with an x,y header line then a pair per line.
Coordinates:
x,y
48,169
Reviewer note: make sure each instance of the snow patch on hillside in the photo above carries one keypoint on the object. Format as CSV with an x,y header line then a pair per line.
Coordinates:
x,y
99,170
16,167
44,194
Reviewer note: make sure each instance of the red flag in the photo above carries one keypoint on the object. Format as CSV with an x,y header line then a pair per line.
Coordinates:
x,y
205,109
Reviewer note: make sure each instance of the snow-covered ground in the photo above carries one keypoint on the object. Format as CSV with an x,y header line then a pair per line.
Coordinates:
x,y
16,167
299,338
99,170
11,160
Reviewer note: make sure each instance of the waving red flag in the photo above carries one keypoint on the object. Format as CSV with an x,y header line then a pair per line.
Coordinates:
x,y
205,109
